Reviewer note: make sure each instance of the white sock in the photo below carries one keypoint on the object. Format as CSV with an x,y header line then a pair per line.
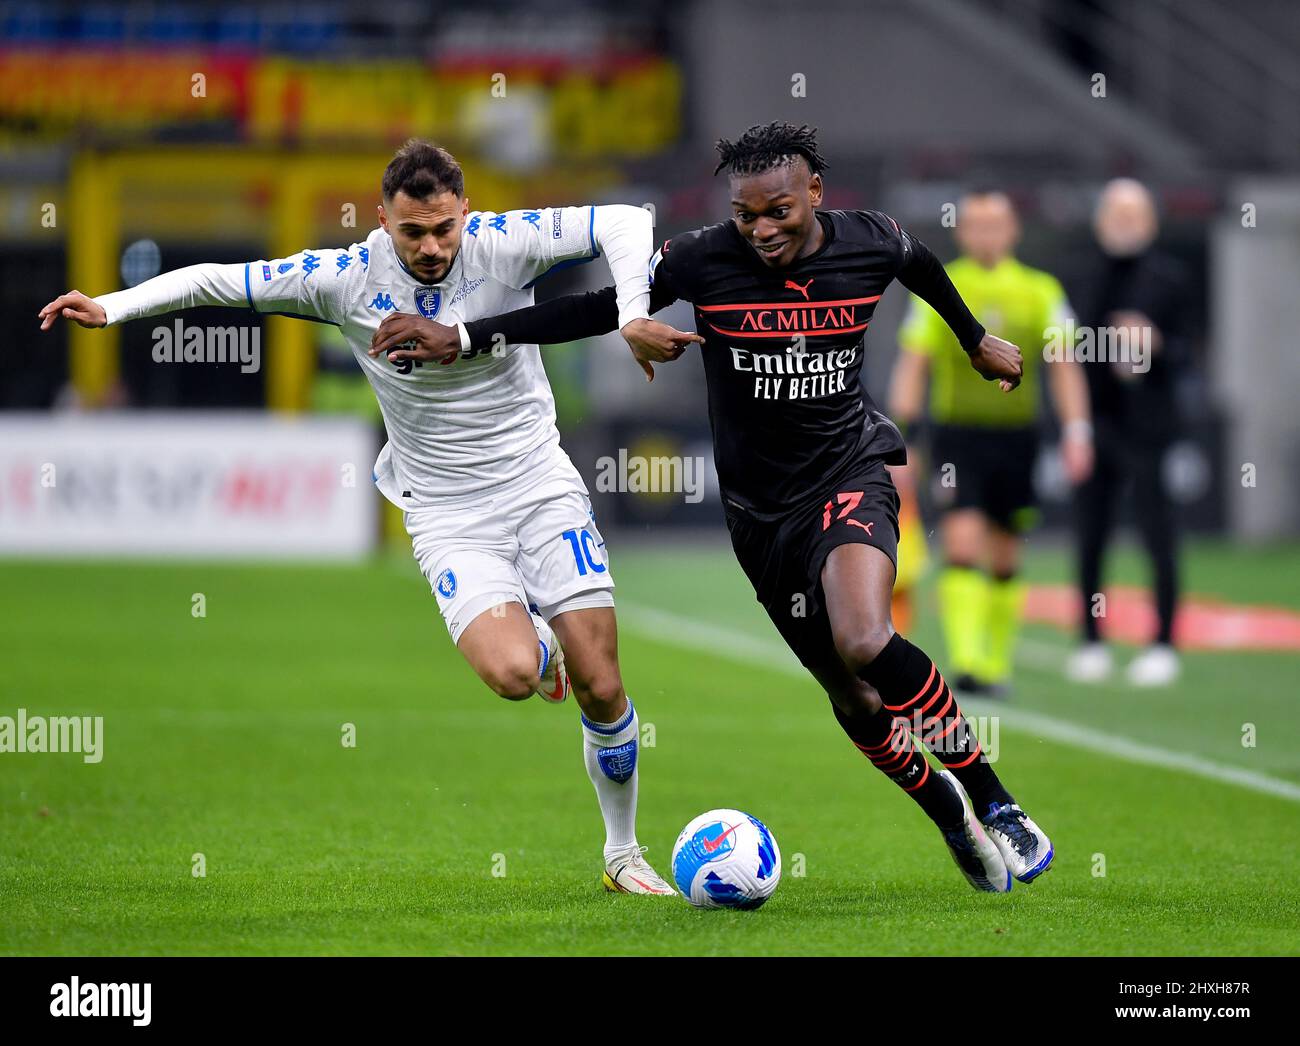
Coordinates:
x,y
610,751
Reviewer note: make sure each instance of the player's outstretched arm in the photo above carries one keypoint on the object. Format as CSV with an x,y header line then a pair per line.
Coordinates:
x,y
996,359
624,234
576,316
207,284
571,317
289,287
74,306
564,319
568,318
653,342
406,336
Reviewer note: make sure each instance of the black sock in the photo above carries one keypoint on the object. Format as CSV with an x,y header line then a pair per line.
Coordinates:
x,y
910,686
889,746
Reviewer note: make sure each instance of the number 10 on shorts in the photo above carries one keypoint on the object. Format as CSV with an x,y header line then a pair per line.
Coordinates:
x,y
586,553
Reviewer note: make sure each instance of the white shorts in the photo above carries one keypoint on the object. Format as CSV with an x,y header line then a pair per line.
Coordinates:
x,y
537,545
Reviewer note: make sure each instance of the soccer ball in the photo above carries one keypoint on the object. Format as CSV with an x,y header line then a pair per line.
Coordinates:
x,y
726,859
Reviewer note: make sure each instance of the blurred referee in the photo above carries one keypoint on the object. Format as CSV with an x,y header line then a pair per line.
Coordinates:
x,y
983,447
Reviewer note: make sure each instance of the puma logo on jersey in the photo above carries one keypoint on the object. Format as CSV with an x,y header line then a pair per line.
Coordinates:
x,y
790,285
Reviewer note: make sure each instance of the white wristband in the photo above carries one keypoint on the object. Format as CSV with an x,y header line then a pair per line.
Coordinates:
x,y
464,336
1078,429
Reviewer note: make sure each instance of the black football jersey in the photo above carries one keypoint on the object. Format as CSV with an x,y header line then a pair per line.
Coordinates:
x,y
783,353
783,347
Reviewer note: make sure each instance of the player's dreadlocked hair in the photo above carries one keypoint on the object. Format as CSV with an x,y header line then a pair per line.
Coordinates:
x,y
765,146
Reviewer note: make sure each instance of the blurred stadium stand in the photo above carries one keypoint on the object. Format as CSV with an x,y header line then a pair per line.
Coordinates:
x,y
913,99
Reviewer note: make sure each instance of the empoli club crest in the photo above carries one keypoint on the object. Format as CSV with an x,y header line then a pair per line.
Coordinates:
x,y
446,584
427,300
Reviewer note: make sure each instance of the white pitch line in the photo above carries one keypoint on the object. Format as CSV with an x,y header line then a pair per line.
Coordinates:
x,y
743,648
1039,654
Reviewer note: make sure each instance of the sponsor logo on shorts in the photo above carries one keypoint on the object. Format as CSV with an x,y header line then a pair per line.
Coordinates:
x,y
446,584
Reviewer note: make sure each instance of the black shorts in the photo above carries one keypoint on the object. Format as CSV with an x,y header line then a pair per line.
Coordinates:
x,y
992,470
783,557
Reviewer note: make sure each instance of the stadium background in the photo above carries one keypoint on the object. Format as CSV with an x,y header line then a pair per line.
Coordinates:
x,y
149,136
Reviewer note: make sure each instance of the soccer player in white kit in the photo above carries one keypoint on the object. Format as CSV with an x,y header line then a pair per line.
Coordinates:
x,y
499,518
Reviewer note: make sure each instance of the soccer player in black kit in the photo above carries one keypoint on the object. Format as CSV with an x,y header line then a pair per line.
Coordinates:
x,y
783,293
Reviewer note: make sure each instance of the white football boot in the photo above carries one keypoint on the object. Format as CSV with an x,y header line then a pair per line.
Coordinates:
x,y
1091,663
975,853
1025,847
630,872
1157,665
553,681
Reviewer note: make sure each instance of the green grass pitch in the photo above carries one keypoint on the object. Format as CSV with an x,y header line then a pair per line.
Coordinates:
x,y
223,737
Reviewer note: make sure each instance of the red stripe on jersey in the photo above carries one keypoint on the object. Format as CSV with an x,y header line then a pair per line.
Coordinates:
x,y
789,304
785,334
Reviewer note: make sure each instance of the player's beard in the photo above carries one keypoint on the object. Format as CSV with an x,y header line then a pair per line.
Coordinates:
x,y
435,272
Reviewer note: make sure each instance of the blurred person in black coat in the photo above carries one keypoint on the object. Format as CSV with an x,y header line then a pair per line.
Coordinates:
x,y
1137,295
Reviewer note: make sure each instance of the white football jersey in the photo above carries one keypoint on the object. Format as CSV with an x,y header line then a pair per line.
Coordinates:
x,y
455,432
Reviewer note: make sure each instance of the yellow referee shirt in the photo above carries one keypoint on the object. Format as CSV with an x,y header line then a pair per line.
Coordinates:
x,y
1012,301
